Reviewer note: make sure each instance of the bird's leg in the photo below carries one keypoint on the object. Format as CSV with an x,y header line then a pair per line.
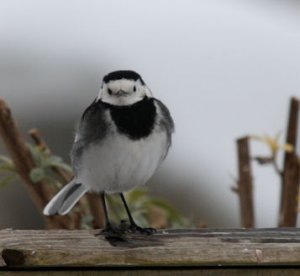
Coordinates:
x,y
133,226
111,233
108,225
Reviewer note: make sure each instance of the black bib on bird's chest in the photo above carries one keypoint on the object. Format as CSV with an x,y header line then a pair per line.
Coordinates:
x,y
136,120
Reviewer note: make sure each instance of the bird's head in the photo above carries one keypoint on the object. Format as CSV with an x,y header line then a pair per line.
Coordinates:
x,y
123,88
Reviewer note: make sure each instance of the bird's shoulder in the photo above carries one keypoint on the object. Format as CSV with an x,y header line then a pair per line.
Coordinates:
x,y
165,118
95,108
93,124
92,128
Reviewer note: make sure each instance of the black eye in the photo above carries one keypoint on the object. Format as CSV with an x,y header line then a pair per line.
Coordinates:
x,y
134,88
109,91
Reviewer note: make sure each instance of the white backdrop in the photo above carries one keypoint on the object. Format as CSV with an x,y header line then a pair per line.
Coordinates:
x,y
224,68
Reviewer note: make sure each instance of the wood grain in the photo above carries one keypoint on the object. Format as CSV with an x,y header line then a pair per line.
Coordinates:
x,y
173,248
161,272
245,185
291,172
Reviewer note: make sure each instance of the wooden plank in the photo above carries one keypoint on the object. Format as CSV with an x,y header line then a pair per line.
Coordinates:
x,y
163,272
170,248
245,185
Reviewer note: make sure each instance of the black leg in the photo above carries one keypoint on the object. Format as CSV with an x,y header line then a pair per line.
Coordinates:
x,y
111,233
131,220
107,222
133,226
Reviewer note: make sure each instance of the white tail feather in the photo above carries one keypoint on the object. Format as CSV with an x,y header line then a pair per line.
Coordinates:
x,y
65,199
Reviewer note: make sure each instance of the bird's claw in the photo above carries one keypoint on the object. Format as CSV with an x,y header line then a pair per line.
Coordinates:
x,y
133,228
113,233
118,234
146,230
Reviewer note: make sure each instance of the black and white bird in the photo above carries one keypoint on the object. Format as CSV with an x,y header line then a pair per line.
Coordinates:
x,y
122,138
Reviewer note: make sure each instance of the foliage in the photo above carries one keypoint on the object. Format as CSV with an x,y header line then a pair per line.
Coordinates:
x,y
146,208
45,162
273,143
7,171
274,146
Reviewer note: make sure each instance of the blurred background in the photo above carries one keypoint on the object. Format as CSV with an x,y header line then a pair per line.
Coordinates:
x,y
224,68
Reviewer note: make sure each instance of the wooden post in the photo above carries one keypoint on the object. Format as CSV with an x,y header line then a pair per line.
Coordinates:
x,y
245,186
291,172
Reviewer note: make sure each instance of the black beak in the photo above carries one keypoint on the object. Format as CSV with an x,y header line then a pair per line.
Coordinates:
x,y
121,93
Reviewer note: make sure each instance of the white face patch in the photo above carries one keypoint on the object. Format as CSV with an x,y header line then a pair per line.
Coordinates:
x,y
123,92
117,85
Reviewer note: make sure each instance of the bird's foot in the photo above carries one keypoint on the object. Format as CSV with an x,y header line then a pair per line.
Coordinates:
x,y
113,234
133,228
146,230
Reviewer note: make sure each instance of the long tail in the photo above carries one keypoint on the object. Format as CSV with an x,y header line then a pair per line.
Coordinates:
x,y
65,199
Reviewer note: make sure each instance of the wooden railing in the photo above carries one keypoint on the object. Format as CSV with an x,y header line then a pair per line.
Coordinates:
x,y
187,251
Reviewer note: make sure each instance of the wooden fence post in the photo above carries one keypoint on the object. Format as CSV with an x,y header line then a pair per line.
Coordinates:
x,y
245,186
291,172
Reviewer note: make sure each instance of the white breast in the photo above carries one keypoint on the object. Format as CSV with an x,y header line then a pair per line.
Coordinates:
x,y
119,163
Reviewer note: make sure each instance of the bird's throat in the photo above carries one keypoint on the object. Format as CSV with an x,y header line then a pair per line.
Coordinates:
x,y
135,121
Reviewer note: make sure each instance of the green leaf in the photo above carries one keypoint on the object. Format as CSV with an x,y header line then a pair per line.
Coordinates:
x,y
141,220
64,166
7,167
5,159
53,159
37,174
56,161
137,194
36,154
6,164
7,180
172,212
86,222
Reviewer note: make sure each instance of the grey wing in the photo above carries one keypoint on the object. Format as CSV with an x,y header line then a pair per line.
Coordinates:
x,y
92,129
166,122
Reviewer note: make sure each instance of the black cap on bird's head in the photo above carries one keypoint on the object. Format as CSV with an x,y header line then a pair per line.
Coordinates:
x,y
123,74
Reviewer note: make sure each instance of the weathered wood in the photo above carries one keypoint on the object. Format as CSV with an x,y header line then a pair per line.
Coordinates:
x,y
290,193
291,172
170,248
280,271
245,186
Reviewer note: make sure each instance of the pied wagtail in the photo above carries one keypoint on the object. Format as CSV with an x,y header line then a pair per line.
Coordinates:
x,y
122,138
